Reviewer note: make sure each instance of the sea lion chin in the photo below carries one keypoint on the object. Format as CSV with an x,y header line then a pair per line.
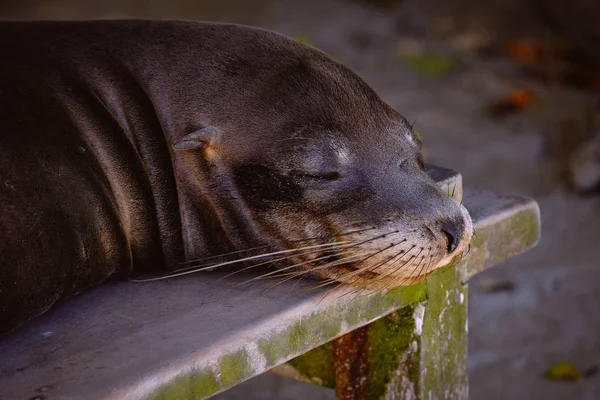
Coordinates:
x,y
131,146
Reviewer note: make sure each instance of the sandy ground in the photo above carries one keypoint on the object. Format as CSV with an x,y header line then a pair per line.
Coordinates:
x,y
551,313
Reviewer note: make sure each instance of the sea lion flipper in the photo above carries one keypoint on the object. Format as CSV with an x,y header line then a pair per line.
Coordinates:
x,y
201,138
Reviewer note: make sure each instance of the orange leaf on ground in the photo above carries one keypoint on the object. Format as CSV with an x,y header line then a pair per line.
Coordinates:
x,y
524,52
516,101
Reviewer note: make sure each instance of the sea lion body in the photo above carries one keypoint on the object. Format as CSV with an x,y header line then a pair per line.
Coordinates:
x,y
130,146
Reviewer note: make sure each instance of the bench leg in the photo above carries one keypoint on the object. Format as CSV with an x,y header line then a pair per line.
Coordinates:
x,y
443,342
418,352
351,364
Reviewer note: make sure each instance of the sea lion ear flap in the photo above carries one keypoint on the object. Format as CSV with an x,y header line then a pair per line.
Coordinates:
x,y
198,140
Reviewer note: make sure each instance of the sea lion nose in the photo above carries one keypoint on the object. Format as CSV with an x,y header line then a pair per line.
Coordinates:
x,y
453,230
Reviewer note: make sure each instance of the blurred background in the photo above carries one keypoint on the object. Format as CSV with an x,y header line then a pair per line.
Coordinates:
x,y
503,91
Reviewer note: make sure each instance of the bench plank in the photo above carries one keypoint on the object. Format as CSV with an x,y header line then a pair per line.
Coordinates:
x,y
417,352
420,351
195,336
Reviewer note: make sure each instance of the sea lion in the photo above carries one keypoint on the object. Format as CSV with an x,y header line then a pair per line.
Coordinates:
x,y
132,146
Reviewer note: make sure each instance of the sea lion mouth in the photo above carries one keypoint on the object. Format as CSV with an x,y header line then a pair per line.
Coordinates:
x,y
380,258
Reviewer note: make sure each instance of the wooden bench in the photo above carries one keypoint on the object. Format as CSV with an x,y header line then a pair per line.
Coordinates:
x,y
195,336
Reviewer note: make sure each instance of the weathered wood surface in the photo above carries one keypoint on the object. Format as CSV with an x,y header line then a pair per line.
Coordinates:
x,y
417,352
195,336
420,351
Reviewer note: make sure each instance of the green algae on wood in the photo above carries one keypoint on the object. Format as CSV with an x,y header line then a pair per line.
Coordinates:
x,y
197,384
325,326
316,366
178,388
444,338
234,367
204,385
416,352
319,328
394,354
393,344
498,240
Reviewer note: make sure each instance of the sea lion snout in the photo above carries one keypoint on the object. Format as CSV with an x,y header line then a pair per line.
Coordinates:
x,y
449,219
453,229
414,241
456,229
448,222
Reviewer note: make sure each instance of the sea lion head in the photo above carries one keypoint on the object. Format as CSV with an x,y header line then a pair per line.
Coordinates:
x,y
315,158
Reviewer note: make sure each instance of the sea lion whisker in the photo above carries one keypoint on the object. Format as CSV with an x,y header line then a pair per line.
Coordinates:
x,y
417,265
460,257
268,274
272,273
422,264
340,261
313,260
328,292
223,255
191,271
344,260
465,253
277,260
411,275
304,273
297,281
406,262
403,264
355,231
240,260
292,275
267,246
356,245
350,290
329,281
373,268
203,267
360,270
400,253
356,290
334,235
